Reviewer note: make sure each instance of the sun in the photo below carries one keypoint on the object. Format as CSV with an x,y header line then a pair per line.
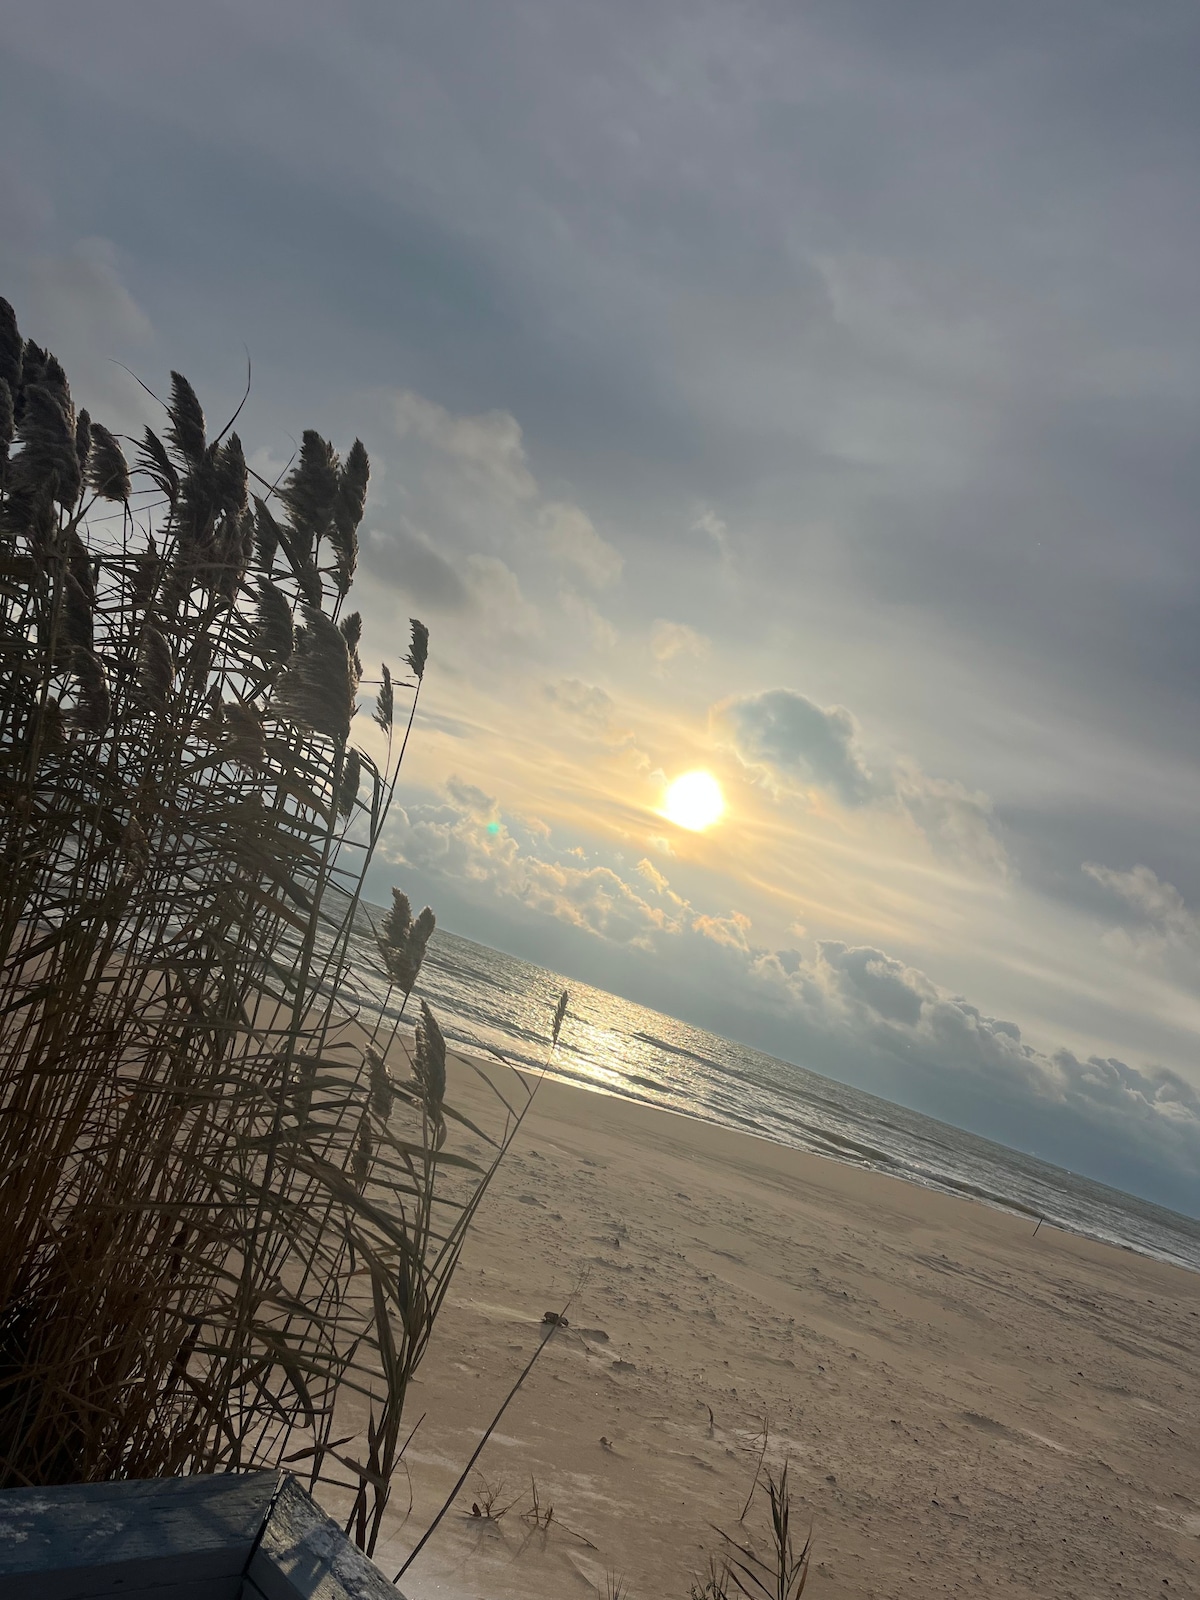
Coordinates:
x,y
694,800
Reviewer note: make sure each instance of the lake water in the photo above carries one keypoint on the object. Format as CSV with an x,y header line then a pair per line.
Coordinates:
x,y
485,1000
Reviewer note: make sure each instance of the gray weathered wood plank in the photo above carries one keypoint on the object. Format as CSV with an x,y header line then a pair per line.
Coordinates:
x,y
255,1536
304,1555
88,1540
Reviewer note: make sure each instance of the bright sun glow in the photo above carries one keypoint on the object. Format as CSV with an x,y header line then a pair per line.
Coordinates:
x,y
694,801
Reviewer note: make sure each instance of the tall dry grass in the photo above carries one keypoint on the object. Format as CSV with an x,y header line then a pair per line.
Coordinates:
x,y
767,1569
224,1223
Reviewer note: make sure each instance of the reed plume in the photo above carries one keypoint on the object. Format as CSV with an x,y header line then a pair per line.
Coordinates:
x,y
348,784
247,736
76,613
156,669
157,465
83,442
348,510
276,631
107,471
382,1094
317,690
385,703
418,653
311,493
93,708
403,941
185,425
429,1064
266,536
12,348
46,464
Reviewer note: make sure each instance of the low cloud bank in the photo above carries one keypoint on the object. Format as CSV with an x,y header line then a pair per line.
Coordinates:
x,y
1131,1126
852,1011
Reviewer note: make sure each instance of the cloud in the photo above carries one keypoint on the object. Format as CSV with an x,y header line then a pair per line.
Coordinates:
x,y
956,820
572,539
591,713
732,931
877,981
855,1011
929,1044
653,876
496,593
447,838
713,528
473,801
671,639
792,741
482,590
81,292
1157,904
585,704
76,302
488,448
660,885
790,734
601,633
474,485
408,558
1157,930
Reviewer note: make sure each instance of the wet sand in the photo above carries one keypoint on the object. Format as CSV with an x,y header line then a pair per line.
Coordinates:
x,y
966,1408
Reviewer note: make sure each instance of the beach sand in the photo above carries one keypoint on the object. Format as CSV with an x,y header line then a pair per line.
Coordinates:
x,y
966,1408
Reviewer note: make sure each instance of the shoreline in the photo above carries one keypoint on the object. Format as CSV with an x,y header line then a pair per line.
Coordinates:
x,y
885,1165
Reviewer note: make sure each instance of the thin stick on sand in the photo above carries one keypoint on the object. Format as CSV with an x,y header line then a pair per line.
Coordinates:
x,y
551,1328
758,1467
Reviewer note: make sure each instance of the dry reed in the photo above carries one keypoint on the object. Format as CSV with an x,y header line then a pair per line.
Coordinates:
x,y
222,1221
740,1569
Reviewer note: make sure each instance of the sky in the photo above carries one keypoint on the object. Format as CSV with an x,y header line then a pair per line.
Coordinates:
x,y
805,393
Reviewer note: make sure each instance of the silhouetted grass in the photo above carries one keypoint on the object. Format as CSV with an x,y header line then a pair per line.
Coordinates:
x,y
221,1212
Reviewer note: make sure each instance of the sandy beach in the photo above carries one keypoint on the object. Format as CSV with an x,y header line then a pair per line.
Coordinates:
x,y
966,1408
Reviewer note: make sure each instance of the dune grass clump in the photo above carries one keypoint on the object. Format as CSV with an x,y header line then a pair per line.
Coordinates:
x,y
226,1229
740,1569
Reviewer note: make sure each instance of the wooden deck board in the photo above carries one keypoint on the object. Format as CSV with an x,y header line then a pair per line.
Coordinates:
x,y
254,1536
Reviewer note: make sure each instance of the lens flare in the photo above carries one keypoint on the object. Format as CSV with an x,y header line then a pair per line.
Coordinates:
x,y
694,800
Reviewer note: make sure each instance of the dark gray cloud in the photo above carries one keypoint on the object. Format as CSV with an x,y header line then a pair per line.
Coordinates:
x,y
884,985
783,729
409,559
920,1045
1139,1127
794,741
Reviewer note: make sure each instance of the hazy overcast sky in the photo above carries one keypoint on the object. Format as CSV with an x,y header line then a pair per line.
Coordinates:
x,y
807,392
